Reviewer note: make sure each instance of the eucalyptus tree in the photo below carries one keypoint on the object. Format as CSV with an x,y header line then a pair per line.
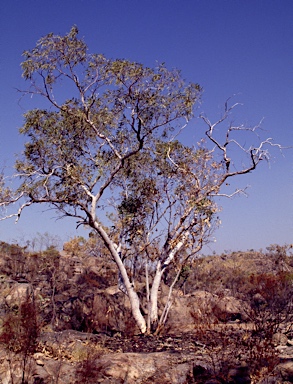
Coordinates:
x,y
106,149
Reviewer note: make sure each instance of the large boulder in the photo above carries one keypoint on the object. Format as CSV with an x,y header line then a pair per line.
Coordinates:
x,y
188,310
228,308
134,368
18,294
286,370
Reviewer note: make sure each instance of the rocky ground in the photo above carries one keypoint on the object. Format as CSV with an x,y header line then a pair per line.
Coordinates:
x,y
70,357
231,322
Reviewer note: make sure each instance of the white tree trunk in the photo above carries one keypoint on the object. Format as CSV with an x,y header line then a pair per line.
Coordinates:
x,y
133,297
154,294
158,277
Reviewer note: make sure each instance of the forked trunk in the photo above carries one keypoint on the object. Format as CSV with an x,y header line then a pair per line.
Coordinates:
x,y
133,297
157,282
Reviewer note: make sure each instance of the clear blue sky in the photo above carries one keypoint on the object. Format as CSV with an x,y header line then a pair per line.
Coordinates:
x,y
227,46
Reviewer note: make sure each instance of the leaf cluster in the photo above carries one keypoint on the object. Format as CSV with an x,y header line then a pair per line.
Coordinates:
x,y
83,144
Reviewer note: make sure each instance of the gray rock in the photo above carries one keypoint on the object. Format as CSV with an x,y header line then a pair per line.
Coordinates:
x,y
279,339
229,308
286,370
18,294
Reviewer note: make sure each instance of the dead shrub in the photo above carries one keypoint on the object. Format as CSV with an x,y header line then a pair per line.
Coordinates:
x,y
270,297
20,330
88,369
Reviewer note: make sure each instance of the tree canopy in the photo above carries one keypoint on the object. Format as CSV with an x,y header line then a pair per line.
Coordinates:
x,y
107,149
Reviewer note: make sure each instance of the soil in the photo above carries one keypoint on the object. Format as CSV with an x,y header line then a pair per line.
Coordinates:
x,y
146,344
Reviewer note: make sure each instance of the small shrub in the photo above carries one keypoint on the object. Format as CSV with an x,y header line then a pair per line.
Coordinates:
x,y
20,330
88,369
271,301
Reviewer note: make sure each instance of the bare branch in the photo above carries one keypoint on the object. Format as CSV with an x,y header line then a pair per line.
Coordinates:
x,y
18,213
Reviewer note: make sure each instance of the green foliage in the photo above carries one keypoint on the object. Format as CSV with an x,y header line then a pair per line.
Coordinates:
x,y
51,51
106,134
105,149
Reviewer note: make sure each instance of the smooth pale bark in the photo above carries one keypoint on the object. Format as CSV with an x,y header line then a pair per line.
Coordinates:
x,y
158,278
154,294
147,284
167,306
133,297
